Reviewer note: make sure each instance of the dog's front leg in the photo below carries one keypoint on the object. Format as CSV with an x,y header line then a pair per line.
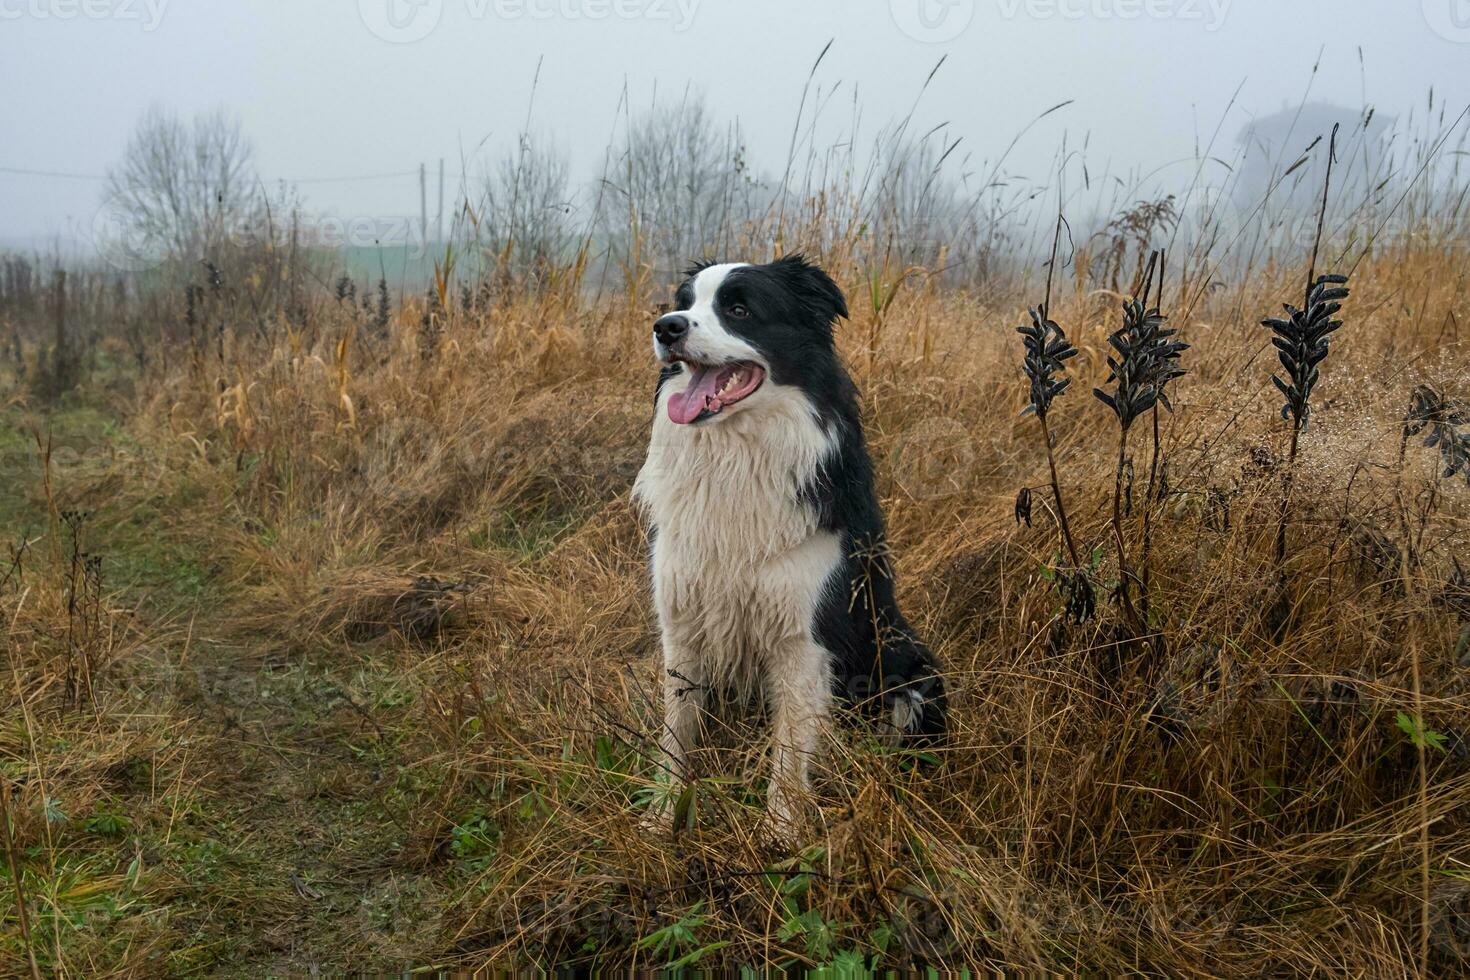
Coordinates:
x,y
798,695
685,692
685,688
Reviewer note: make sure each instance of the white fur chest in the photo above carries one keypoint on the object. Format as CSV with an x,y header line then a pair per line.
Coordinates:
x,y
728,491
739,562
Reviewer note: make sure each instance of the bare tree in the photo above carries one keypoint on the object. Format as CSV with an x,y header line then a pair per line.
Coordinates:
x,y
525,219
678,184
182,188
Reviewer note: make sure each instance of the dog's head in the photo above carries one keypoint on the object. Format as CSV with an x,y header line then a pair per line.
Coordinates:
x,y
735,325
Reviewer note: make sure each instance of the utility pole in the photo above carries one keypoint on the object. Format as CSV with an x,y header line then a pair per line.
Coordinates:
x,y
424,206
439,222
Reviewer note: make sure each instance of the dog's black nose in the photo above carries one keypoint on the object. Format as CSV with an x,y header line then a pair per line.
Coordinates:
x,y
671,328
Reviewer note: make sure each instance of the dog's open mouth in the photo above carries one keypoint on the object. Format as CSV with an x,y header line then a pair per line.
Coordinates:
x,y
712,388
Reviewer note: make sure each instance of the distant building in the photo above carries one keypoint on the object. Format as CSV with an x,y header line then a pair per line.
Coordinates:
x,y
1271,144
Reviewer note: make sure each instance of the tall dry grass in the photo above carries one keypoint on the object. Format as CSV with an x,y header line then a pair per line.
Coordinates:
x,y
1260,766
1246,791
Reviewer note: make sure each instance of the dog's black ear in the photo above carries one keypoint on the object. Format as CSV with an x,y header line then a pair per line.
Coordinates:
x,y
815,288
697,266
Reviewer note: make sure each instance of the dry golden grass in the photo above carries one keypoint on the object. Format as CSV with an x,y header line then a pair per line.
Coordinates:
x,y
449,509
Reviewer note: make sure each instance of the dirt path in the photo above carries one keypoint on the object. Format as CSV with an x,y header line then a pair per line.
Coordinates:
x,y
236,808
300,787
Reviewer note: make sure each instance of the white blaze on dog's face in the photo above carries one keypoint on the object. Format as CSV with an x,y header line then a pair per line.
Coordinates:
x,y
723,369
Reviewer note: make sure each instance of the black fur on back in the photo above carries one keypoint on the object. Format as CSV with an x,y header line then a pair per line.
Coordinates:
x,y
879,659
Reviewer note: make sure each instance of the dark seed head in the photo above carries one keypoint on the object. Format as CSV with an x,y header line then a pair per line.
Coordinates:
x,y
1046,349
1301,340
1023,506
1145,359
1446,420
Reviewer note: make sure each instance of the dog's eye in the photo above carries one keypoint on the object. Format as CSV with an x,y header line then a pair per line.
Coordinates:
x,y
739,312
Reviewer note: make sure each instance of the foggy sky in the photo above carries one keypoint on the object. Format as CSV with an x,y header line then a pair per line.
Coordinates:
x,y
323,96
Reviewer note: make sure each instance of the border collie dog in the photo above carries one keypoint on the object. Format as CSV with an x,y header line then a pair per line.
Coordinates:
x,y
771,578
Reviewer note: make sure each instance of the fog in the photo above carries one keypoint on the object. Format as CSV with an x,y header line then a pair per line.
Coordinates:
x,y
346,99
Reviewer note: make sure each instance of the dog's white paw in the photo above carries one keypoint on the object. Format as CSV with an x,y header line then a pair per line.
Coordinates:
x,y
657,820
784,820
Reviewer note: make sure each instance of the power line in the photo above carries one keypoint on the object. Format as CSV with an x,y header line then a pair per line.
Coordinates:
x,y
353,178
49,173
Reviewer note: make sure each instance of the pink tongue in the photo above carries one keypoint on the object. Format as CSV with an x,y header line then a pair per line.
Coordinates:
x,y
685,406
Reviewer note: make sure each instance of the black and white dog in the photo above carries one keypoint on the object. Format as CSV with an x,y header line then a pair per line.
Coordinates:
x,y
770,574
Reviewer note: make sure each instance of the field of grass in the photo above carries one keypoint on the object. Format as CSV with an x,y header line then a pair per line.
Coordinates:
x,y
327,647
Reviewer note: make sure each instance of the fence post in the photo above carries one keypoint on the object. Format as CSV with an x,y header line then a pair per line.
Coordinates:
x,y
61,356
